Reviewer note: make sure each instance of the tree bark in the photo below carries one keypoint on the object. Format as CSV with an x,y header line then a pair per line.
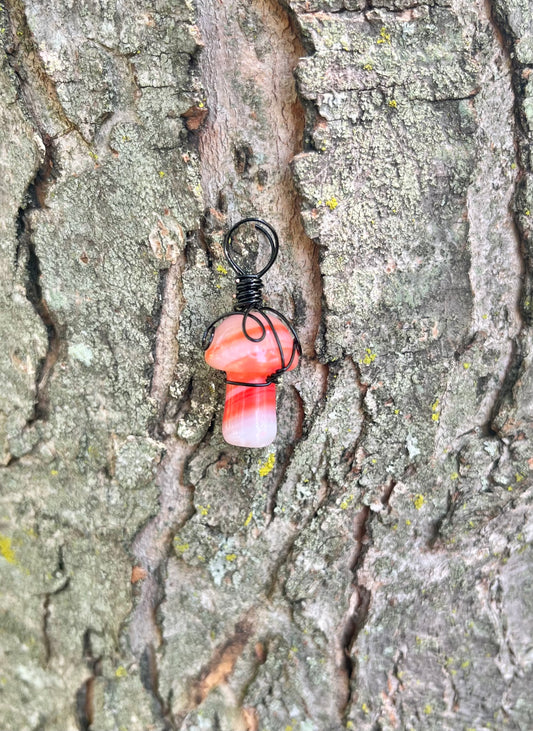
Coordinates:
x,y
371,569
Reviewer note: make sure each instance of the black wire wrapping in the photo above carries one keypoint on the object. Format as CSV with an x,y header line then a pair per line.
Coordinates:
x,y
249,292
249,299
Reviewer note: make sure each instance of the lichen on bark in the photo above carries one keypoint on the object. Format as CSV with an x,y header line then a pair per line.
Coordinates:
x,y
371,568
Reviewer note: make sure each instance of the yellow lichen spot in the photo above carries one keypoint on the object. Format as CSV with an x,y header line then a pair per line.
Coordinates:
x,y
527,212
408,522
268,465
249,518
510,488
349,724
201,558
396,411
365,708
395,526
393,103
368,67
203,510
435,417
369,357
418,501
484,316
221,269
231,556
384,37
471,523
454,476
161,174
121,671
465,664
179,546
5,549
288,727
200,105
428,709
346,502
54,473
332,203
519,477
466,366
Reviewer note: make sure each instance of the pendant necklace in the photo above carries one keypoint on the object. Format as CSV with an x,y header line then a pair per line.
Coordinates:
x,y
254,345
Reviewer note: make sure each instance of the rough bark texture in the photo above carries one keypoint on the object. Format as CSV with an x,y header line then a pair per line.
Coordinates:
x,y
371,570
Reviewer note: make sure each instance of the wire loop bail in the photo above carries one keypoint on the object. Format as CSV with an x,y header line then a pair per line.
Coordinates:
x,y
267,231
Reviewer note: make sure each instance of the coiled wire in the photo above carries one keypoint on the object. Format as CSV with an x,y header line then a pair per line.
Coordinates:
x,y
249,292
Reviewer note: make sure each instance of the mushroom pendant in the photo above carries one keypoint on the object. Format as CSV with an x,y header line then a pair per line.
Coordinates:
x,y
254,345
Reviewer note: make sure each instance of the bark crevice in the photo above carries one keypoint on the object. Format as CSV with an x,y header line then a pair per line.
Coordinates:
x,y
151,547
40,102
506,39
35,199
37,89
63,584
85,694
219,667
358,607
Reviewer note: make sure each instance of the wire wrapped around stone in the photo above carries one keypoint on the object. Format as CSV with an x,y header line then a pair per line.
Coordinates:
x,y
249,299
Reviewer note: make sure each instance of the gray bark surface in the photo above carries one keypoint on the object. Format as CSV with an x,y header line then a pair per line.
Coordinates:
x,y
370,570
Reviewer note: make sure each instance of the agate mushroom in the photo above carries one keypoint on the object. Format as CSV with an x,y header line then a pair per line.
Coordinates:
x,y
250,411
